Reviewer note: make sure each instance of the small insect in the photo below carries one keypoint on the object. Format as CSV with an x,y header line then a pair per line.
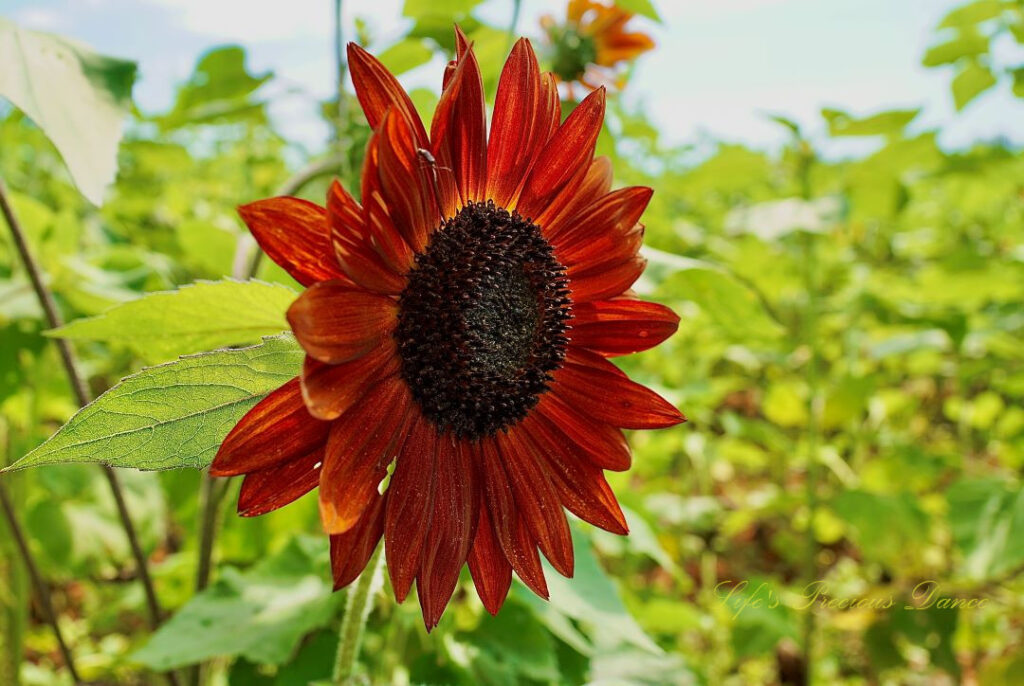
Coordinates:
x,y
428,158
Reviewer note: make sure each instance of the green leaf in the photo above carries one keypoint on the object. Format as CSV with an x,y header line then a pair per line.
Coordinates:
x,y
644,8
591,599
973,80
889,528
1018,82
76,96
405,55
260,614
219,90
727,302
201,316
173,415
973,13
418,9
530,656
890,123
986,517
967,44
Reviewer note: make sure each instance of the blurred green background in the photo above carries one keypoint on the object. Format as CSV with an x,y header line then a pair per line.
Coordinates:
x,y
850,358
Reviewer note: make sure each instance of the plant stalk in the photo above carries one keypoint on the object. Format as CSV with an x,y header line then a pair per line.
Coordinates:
x,y
357,610
42,593
83,397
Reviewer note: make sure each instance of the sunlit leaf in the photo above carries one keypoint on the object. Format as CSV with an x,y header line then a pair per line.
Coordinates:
x,y
889,123
76,96
197,317
260,614
405,55
173,415
973,13
973,80
967,44
644,8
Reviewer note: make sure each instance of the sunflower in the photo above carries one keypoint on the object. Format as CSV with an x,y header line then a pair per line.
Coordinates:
x,y
455,396
593,43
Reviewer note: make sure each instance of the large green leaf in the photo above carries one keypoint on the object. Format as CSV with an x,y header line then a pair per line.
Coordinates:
x,y
220,90
261,614
968,44
76,96
201,316
405,55
173,415
973,13
986,517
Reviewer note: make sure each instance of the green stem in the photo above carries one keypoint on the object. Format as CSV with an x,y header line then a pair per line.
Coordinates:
x,y
357,609
83,396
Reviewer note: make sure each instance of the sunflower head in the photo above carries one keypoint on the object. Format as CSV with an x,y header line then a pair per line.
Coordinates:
x,y
593,43
456,396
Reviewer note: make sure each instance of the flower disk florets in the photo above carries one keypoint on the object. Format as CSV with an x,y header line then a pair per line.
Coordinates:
x,y
482,321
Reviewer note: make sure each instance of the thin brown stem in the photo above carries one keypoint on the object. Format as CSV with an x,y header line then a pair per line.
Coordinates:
x,y
82,395
42,593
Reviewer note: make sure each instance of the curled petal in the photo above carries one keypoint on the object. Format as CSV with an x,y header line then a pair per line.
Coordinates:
x,y
586,188
336,322
277,430
294,233
602,444
621,326
459,130
610,217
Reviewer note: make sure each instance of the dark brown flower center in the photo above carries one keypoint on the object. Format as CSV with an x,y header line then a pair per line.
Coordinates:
x,y
482,321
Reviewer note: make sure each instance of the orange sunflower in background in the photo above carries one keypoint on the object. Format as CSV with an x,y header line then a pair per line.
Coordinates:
x,y
593,43
456,325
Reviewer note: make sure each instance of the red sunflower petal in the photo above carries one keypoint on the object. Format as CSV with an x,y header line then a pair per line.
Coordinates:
x,y
609,217
491,571
537,500
448,540
335,322
378,91
274,487
331,389
570,149
581,486
294,233
351,550
353,245
594,385
361,445
602,444
443,134
511,531
621,326
586,188
406,183
459,130
606,282
277,430
410,504
512,124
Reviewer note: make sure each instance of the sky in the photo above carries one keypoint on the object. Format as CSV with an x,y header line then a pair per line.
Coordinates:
x,y
719,68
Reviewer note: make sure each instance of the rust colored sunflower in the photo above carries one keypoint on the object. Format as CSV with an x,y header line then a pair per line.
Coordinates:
x,y
457,324
592,45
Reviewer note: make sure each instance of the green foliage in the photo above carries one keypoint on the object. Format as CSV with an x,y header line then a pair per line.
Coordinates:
x,y
197,317
277,602
42,73
644,8
172,415
854,322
